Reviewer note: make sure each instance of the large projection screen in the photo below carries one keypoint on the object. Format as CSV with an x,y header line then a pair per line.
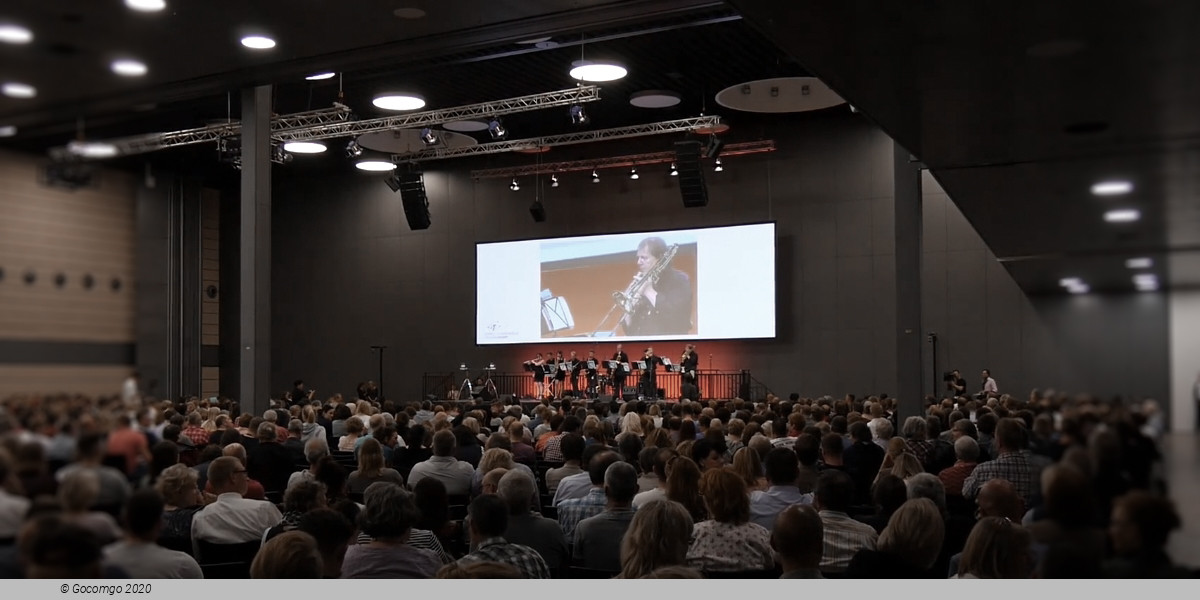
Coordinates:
x,y
712,283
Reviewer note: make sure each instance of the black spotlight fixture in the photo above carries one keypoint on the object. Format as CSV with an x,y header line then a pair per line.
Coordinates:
x,y
595,176
514,186
715,145
553,180
428,137
538,211
496,129
578,117
353,150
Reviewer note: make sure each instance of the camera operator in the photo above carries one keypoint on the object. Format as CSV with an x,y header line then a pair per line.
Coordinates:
x,y
955,384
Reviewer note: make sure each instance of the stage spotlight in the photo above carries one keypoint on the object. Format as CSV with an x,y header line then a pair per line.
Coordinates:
x,y
633,173
428,137
715,145
537,211
554,181
353,150
514,186
578,117
718,168
497,131
674,170
595,176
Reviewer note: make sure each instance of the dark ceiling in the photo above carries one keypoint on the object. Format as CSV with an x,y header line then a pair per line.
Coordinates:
x,y
1019,107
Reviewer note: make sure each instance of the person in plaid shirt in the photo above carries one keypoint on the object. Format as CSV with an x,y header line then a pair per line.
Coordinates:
x,y
487,518
1012,463
195,432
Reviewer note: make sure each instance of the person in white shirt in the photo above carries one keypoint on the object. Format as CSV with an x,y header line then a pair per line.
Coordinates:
x,y
314,450
139,554
232,519
455,474
990,389
661,459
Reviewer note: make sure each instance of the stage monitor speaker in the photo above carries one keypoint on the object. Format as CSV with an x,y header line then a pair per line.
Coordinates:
x,y
691,174
416,204
629,393
605,399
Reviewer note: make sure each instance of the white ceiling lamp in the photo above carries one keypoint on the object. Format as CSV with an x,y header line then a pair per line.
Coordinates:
x,y
655,99
674,170
258,42
1079,289
1139,263
597,70
1122,215
13,89
15,34
633,174
1070,281
92,149
1112,188
127,67
146,5
1146,282
8,131
304,147
717,167
595,176
398,101
375,165
320,76
465,126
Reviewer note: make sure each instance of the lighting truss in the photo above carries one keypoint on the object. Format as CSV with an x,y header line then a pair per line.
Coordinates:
x,y
338,121
613,162
567,139
567,97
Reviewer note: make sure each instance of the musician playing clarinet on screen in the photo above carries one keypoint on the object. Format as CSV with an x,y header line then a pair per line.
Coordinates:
x,y
659,300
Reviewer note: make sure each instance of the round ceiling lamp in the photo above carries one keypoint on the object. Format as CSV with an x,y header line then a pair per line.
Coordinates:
x,y
13,89
597,70
304,147
127,67
320,76
146,5
655,99
465,126
258,42
779,95
398,101
92,149
8,131
375,165
15,34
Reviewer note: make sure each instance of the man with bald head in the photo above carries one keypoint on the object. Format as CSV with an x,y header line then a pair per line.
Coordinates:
x,y
232,519
798,537
254,489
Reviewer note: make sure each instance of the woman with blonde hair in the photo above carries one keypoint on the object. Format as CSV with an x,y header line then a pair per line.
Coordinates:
x,y
996,549
77,493
657,537
371,468
908,546
310,429
748,466
363,411
210,424
631,424
178,485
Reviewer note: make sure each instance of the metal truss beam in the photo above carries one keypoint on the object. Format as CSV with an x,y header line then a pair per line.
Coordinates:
x,y
614,162
581,137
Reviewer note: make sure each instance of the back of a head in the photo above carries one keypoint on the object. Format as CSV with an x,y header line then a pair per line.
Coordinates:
x,y
966,449
915,428
78,490
143,512
289,555
389,511
832,445
999,498
316,449
834,490
599,464
808,449
1154,517
489,515
726,496
781,467
516,488
52,548
927,485
996,549
914,533
657,536
621,482
798,535
860,432
1068,496
1011,435
443,443
304,495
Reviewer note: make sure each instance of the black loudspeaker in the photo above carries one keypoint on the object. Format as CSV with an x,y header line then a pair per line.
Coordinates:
x,y
538,210
691,175
416,204
629,393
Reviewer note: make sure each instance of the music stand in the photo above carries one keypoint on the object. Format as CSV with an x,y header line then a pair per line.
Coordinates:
x,y
641,365
556,314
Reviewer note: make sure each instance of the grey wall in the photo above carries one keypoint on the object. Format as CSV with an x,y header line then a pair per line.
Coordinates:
x,y
348,274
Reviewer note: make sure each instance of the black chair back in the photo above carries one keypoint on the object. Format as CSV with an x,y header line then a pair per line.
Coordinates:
x,y
210,553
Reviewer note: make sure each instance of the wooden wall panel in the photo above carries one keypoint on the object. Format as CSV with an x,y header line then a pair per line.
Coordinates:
x,y
92,380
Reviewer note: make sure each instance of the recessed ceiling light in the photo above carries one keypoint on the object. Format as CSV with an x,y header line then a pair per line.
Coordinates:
x,y
8,131
1112,188
258,42
398,101
13,89
128,68
1145,279
92,149
146,5
1070,281
375,165
1153,287
1122,215
592,70
15,34
1139,263
410,12
320,76
304,147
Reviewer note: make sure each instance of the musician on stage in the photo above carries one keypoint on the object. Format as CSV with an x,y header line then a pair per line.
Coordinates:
x,y
649,378
573,367
560,375
591,367
663,304
689,363
619,374
538,367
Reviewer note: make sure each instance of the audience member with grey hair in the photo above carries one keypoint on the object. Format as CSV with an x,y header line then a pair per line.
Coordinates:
x,y
388,517
597,543
270,462
525,526
314,450
927,485
882,430
966,449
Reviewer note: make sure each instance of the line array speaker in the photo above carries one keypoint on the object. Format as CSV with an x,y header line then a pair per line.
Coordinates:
x,y
691,175
416,204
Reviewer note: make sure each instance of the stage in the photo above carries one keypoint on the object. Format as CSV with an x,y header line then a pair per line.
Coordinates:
x,y
714,385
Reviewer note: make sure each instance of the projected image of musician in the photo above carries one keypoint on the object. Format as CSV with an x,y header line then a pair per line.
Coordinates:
x,y
659,299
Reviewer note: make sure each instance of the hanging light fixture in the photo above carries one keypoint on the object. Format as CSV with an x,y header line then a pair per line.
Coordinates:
x,y
353,150
496,129
428,137
553,180
514,186
674,170
578,117
597,70
595,176
633,173
718,168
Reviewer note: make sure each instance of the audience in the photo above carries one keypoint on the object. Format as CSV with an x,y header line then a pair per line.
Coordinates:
x,y
291,555
996,549
782,472
574,510
658,536
844,536
371,469
232,518
455,474
798,538
488,520
139,554
597,542
529,528
729,541
387,518
907,548
333,533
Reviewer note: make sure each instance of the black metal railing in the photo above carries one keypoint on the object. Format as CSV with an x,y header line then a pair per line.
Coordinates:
x,y
714,385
